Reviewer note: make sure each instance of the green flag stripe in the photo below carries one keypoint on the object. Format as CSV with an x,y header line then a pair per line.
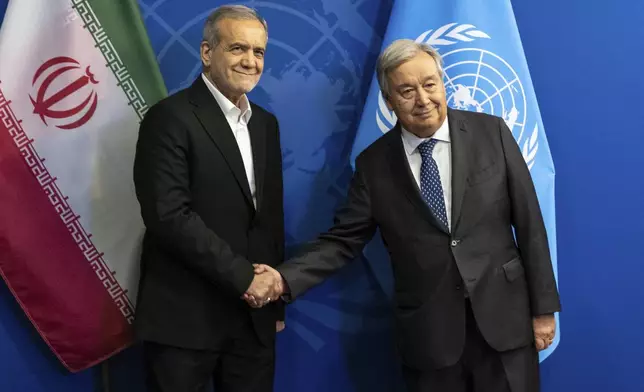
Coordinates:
x,y
118,30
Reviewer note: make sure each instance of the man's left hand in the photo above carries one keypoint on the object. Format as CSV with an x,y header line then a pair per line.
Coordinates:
x,y
544,331
279,326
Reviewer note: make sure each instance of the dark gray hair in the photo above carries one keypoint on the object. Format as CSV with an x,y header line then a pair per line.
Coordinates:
x,y
398,52
237,12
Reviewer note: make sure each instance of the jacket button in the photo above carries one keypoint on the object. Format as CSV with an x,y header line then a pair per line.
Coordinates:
x,y
455,242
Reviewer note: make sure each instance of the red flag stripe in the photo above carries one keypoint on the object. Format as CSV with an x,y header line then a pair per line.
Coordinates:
x,y
49,262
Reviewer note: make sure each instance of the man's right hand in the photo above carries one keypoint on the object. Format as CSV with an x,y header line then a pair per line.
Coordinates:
x,y
267,286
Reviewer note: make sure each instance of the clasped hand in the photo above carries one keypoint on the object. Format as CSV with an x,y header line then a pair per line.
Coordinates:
x,y
267,286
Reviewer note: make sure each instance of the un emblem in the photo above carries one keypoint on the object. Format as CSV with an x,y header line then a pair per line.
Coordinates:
x,y
477,80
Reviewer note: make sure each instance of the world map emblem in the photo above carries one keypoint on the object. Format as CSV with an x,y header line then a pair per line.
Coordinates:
x,y
477,80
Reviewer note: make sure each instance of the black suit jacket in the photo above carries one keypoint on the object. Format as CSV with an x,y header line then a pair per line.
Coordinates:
x,y
202,229
492,192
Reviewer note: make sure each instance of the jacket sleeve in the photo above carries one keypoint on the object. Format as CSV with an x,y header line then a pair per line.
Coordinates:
x,y
529,228
353,227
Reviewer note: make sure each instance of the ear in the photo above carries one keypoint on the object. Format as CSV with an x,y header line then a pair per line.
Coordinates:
x,y
205,52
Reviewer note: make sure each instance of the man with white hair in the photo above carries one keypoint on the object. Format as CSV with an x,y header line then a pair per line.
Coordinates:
x,y
448,190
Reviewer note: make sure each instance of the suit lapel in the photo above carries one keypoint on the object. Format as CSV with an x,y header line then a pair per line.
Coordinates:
x,y
214,123
460,147
257,132
403,176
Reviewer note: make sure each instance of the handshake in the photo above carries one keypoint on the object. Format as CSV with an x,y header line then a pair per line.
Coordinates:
x,y
267,285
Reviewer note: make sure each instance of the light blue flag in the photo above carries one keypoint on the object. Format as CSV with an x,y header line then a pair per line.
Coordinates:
x,y
485,71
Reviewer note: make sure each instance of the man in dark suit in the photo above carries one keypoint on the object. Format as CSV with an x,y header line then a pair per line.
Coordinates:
x,y
446,188
208,176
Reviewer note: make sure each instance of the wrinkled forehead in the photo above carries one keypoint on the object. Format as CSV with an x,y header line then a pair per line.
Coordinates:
x,y
245,31
414,71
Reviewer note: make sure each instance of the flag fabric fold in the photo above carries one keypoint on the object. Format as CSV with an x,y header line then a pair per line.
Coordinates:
x,y
76,77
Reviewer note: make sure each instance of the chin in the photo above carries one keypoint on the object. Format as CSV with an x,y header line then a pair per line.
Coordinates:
x,y
247,86
431,122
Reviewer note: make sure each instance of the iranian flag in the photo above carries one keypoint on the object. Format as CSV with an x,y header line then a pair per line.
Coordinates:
x,y
76,77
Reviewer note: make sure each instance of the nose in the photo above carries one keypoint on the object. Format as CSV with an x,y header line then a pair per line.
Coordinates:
x,y
422,98
249,60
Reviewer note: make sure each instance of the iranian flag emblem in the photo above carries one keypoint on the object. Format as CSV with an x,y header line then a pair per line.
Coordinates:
x,y
76,78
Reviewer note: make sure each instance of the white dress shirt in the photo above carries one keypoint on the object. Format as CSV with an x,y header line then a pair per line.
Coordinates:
x,y
442,154
238,118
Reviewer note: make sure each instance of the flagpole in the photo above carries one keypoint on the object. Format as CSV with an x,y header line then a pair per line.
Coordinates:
x,y
105,377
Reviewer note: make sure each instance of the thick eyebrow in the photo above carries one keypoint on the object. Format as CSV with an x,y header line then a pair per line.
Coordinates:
x,y
403,86
433,77
245,46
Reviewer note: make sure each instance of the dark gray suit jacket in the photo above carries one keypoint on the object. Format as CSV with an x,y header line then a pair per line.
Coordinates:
x,y
508,282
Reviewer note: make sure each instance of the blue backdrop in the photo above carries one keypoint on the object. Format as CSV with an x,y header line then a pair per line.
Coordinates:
x,y
585,66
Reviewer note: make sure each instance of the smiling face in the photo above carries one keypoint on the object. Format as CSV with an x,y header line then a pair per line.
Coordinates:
x,y
417,95
236,62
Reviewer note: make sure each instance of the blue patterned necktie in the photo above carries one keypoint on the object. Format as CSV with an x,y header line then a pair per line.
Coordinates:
x,y
430,182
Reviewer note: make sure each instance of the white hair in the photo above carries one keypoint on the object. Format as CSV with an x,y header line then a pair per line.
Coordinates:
x,y
237,12
398,52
